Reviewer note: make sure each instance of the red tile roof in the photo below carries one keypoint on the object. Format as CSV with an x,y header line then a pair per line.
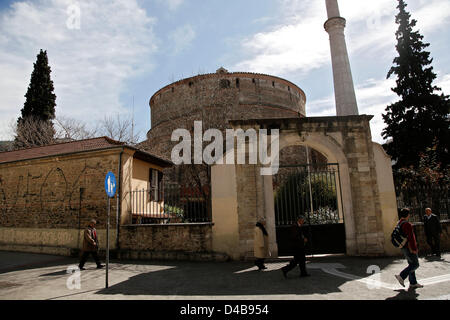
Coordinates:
x,y
60,149
94,144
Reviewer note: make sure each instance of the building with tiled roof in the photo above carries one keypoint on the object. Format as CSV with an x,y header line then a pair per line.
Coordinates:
x,y
49,194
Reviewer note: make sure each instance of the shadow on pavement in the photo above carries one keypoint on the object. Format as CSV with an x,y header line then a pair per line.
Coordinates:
x,y
434,259
227,279
16,261
403,294
54,274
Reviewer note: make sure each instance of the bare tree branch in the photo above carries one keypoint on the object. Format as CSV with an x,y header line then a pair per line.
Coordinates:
x,y
32,132
120,128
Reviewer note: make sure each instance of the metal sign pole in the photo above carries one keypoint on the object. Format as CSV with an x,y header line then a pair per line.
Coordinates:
x,y
110,188
107,242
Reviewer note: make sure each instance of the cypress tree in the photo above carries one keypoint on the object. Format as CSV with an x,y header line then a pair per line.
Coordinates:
x,y
39,108
419,120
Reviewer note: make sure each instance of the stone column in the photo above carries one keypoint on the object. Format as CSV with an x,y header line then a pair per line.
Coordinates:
x,y
343,83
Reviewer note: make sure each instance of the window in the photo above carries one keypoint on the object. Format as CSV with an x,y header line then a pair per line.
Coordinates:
x,y
156,185
224,84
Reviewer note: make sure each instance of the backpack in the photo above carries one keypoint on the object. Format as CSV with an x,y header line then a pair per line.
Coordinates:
x,y
398,238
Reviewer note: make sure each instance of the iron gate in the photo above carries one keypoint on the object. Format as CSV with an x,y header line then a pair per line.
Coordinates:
x,y
314,192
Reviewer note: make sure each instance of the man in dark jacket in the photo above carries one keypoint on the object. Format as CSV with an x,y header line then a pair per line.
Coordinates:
x,y
410,251
90,246
298,243
433,231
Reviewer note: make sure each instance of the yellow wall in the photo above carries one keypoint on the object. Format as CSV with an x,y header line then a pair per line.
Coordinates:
x,y
136,177
388,200
225,232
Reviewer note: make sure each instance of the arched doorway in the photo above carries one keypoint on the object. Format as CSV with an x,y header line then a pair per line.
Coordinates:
x,y
359,177
312,190
309,184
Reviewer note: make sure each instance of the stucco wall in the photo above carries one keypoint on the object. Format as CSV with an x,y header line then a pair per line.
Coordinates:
x,y
388,200
225,232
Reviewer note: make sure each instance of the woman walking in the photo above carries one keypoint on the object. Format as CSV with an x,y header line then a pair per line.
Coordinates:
x,y
261,244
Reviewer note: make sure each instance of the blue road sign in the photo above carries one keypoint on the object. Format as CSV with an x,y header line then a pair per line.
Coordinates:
x,y
110,184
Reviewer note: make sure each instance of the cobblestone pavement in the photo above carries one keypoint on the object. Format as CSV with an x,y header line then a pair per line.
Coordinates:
x,y
42,277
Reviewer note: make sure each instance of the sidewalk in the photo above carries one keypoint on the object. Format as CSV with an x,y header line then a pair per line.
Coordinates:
x,y
41,277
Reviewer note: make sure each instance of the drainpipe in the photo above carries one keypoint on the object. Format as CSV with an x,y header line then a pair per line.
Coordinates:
x,y
119,201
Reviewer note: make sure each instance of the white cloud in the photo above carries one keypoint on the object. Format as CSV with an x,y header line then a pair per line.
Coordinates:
x,y
444,83
373,97
300,43
89,66
182,38
172,4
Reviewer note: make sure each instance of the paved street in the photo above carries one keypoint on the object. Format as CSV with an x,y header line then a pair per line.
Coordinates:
x,y
42,277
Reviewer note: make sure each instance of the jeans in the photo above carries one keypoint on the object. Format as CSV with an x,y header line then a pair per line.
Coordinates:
x,y
413,265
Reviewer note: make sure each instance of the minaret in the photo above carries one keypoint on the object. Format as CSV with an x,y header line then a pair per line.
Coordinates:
x,y
344,90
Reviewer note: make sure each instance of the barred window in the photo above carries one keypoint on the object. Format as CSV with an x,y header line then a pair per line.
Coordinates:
x,y
156,185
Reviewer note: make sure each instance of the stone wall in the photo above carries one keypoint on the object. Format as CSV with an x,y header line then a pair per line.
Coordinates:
x,y
216,98
57,192
45,204
168,242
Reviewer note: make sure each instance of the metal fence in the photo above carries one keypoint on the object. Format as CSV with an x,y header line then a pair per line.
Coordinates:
x,y
173,204
418,198
308,190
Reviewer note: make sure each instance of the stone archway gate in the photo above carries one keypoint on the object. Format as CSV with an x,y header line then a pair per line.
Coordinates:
x,y
240,194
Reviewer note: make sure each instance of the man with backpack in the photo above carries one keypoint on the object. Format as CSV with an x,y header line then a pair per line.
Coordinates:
x,y
409,249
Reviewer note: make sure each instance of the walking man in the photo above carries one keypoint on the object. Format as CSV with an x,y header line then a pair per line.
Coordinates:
x,y
90,246
298,243
409,251
433,231
261,244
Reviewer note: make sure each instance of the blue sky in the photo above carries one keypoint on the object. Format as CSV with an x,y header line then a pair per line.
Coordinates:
x,y
126,49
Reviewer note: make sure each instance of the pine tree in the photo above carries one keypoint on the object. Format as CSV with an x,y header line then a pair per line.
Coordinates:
x,y
419,120
39,108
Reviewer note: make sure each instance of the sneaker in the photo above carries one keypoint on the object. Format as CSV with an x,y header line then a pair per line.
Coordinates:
x,y
81,269
400,280
415,286
100,266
